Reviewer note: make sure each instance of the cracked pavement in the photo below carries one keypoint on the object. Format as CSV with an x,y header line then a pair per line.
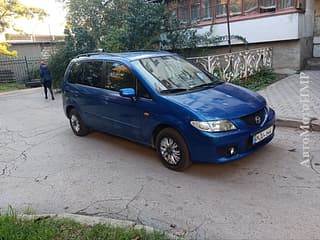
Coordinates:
x,y
271,194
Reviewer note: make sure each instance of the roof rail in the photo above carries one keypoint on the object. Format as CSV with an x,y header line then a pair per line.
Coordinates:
x,y
116,54
145,50
98,52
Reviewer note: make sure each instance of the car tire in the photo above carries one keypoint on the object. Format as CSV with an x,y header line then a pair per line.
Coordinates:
x,y
173,150
77,125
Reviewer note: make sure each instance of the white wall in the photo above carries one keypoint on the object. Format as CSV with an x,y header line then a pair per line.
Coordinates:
x,y
267,29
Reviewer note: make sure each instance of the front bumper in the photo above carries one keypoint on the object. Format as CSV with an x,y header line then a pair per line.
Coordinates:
x,y
214,147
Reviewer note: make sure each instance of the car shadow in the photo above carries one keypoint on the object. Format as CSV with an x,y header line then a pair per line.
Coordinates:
x,y
132,151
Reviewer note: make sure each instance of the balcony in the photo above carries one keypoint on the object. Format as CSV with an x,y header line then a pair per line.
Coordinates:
x,y
199,12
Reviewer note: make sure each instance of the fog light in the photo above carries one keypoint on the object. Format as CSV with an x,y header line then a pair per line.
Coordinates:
x,y
227,151
232,151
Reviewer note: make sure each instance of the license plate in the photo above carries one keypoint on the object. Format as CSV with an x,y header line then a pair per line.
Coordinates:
x,y
262,135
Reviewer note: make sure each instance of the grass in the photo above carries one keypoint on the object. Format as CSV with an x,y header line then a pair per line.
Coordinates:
x,y
259,80
13,228
11,86
29,211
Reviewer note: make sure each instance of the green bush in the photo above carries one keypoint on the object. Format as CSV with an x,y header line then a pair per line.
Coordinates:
x,y
258,80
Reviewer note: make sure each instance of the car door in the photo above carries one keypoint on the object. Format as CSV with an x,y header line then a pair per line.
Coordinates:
x,y
129,116
87,90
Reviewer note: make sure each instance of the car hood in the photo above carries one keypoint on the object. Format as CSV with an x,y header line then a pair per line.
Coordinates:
x,y
225,101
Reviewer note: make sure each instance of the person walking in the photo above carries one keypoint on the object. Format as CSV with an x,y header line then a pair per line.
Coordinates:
x,y
46,79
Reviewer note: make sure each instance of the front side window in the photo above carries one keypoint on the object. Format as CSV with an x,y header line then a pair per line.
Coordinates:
x,y
170,74
119,76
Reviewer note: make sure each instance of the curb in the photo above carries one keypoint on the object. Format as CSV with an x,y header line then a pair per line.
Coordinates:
x,y
92,220
314,124
26,90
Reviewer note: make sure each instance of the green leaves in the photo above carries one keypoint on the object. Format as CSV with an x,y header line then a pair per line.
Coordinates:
x,y
10,10
5,51
144,24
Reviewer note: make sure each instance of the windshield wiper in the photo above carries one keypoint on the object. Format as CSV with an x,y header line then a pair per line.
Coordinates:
x,y
204,85
174,90
207,85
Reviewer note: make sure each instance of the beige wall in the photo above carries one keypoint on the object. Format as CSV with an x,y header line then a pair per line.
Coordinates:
x,y
34,50
20,69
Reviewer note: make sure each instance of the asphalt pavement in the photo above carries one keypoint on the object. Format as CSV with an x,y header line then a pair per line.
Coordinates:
x,y
271,194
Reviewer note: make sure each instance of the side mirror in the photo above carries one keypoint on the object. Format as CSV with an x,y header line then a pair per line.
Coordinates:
x,y
127,92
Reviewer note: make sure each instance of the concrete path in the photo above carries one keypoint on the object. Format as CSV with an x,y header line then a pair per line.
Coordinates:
x,y
272,194
296,99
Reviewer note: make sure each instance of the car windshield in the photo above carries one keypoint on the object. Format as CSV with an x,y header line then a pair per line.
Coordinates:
x,y
172,74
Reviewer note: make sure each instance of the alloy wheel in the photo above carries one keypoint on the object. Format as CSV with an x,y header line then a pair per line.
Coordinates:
x,y
170,150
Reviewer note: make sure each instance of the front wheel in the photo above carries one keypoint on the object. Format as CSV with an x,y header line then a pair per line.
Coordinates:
x,y
77,125
172,150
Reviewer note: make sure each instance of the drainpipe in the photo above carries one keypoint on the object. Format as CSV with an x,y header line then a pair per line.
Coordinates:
x,y
228,25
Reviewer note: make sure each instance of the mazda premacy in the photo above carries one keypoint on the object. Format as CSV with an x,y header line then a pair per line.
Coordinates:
x,y
161,100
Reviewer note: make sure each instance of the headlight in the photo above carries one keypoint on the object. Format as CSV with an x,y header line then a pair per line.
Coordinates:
x,y
267,107
214,126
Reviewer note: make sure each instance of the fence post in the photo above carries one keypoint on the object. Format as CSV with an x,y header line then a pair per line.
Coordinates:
x,y
28,72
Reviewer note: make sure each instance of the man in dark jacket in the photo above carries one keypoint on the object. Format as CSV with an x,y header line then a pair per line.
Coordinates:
x,y
46,79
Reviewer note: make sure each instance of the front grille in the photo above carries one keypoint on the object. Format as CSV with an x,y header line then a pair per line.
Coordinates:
x,y
255,119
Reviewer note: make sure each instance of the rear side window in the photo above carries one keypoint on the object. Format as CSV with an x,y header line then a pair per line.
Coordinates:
x,y
93,74
87,73
76,73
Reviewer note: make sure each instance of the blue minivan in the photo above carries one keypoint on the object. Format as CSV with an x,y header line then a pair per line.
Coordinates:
x,y
161,100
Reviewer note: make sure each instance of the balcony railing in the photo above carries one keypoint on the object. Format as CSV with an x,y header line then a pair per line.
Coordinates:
x,y
195,11
235,65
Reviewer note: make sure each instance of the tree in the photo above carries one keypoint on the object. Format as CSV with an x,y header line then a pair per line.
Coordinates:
x,y
10,10
101,20
144,24
153,25
117,25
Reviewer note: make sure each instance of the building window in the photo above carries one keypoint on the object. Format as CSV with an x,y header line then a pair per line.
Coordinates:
x,y
301,4
195,11
206,10
250,5
221,10
183,12
267,4
285,4
235,7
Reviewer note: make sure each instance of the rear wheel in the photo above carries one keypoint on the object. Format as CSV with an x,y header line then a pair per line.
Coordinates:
x,y
172,150
77,125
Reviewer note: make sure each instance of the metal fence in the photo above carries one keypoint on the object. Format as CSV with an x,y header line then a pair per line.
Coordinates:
x,y
236,65
20,70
